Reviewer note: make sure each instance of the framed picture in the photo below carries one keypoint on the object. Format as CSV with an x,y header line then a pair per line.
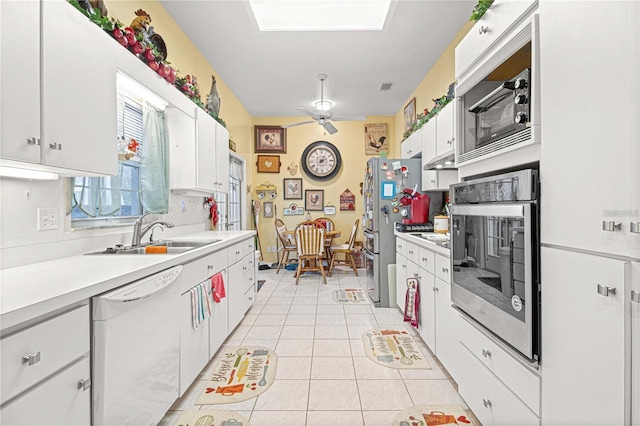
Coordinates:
x,y
267,209
347,201
268,164
409,114
271,139
314,200
376,139
329,209
292,189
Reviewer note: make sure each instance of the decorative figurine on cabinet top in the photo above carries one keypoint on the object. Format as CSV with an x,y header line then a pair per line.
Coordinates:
x,y
213,99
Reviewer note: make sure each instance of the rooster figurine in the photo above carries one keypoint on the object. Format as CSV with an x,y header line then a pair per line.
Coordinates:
x,y
141,22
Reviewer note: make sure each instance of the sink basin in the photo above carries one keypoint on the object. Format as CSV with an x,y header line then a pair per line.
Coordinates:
x,y
173,247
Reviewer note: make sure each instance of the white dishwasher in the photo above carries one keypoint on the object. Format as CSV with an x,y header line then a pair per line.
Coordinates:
x,y
136,348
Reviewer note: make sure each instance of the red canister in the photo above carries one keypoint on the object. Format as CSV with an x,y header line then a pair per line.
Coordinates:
x,y
420,209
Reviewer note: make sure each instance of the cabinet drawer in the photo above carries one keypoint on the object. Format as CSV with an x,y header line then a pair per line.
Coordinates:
x,y
200,269
489,399
52,345
443,268
413,252
427,260
518,378
57,401
235,253
248,262
496,22
249,247
401,247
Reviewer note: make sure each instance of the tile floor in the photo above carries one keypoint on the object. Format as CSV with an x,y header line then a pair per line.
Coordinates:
x,y
323,375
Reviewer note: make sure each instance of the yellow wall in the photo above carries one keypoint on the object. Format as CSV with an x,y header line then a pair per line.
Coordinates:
x,y
350,142
434,85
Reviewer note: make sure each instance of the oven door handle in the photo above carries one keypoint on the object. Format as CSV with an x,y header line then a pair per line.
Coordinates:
x,y
505,210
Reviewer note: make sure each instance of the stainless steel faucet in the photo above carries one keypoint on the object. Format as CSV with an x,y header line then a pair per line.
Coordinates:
x,y
139,231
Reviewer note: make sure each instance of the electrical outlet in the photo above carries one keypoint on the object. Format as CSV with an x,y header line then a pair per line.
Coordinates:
x,y
268,249
47,218
274,249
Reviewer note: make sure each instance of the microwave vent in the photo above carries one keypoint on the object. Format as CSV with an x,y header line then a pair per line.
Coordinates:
x,y
516,138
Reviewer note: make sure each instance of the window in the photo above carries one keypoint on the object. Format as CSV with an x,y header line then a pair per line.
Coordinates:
x,y
230,205
141,183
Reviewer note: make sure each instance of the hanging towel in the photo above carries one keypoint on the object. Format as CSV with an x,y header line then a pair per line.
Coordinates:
x,y
412,302
200,303
217,285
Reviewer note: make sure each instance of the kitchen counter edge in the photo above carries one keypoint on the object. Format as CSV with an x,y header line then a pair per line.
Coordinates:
x,y
430,245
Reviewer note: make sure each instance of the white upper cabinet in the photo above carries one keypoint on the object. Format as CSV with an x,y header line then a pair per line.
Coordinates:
x,y
205,150
412,146
221,163
590,157
58,89
444,134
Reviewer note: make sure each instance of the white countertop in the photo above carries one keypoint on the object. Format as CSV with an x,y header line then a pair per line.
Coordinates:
x,y
30,291
415,238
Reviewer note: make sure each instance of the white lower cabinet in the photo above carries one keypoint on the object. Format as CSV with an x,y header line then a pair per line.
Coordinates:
x,y
583,339
427,328
63,399
635,343
219,321
241,287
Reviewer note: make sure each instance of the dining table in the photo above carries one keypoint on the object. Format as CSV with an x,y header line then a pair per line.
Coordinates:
x,y
330,236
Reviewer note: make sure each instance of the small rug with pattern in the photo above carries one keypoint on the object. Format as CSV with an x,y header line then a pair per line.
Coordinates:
x,y
211,418
433,415
350,295
244,372
394,348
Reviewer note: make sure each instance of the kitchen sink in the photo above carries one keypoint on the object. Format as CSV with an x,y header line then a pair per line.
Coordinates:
x,y
173,247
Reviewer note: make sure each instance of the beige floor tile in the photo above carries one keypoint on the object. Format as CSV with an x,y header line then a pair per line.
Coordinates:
x,y
246,405
379,418
357,309
356,331
264,332
361,319
275,310
331,347
357,348
188,400
369,370
249,319
433,374
297,331
265,343
293,367
284,395
301,319
331,332
384,395
333,395
271,319
330,319
279,301
302,309
339,368
330,309
433,392
278,418
334,418
295,347
300,300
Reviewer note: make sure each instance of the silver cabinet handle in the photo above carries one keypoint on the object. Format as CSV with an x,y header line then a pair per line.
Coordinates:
x,y
634,227
33,141
486,353
445,270
483,30
486,403
33,358
605,290
415,275
57,146
424,259
436,289
84,384
611,226
635,296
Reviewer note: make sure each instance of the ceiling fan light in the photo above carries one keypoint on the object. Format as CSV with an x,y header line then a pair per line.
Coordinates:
x,y
323,105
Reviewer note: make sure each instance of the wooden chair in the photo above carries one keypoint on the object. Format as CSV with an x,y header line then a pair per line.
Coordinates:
x,y
310,245
329,225
347,250
288,244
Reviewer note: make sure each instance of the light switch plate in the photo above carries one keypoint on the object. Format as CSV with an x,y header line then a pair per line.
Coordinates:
x,y
47,218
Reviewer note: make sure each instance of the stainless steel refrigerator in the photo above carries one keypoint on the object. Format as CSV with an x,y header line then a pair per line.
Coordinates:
x,y
382,190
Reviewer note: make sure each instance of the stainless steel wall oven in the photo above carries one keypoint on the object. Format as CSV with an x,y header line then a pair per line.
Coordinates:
x,y
495,256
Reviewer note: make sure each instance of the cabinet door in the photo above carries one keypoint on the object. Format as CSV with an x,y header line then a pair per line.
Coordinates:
x,y
222,158
219,323
235,293
635,342
583,339
444,135
604,156
194,344
446,327
427,309
434,180
411,147
182,149
79,91
205,151
401,280
56,401
20,80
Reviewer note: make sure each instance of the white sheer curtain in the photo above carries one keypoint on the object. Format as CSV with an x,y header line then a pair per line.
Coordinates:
x,y
154,183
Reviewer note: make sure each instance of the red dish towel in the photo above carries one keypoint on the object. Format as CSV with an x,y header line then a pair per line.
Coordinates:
x,y
412,302
217,285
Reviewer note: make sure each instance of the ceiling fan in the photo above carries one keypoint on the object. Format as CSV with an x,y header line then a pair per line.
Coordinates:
x,y
322,114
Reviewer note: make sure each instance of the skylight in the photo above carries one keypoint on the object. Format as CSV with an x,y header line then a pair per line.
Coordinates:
x,y
323,15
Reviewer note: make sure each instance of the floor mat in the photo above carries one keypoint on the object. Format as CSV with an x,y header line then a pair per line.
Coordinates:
x,y
350,295
394,348
244,372
433,415
211,417
260,284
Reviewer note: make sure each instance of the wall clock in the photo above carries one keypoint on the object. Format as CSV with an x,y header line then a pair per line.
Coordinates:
x,y
321,160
